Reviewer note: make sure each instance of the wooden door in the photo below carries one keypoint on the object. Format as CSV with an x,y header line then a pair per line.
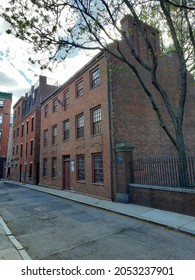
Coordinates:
x,y
66,173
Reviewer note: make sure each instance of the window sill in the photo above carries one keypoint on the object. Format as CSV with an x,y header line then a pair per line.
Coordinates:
x,y
82,182
92,88
98,184
80,138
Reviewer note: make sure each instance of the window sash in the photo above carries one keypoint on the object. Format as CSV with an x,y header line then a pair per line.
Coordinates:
x,y
55,104
95,78
54,135
96,121
54,168
46,111
80,168
45,138
66,130
31,147
45,167
98,176
79,89
66,99
80,126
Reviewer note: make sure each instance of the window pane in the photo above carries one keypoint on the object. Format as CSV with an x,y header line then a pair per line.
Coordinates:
x,y
96,119
66,130
79,89
44,167
66,99
81,168
95,78
54,167
98,169
54,135
80,126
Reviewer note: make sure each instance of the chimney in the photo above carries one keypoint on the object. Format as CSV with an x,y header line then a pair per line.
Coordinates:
x,y
129,25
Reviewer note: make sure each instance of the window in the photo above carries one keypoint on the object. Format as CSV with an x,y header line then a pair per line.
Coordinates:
x,y
54,167
45,167
66,129
1,132
30,170
1,103
17,133
21,150
1,119
54,135
14,134
79,89
46,111
95,78
32,124
55,105
45,138
98,176
26,148
66,99
96,121
27,127
19,110
22,132
80,168
80,126
31,147
16,149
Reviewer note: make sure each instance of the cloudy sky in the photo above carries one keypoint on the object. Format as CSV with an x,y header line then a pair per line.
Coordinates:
x,y
17,73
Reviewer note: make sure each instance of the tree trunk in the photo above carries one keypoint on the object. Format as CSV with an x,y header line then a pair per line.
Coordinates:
x,y
182,160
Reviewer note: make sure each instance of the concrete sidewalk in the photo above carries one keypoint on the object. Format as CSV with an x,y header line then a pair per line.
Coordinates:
x,y
172,220
10,248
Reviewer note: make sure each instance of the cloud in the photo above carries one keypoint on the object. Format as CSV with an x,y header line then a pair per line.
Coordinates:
x,y
17,73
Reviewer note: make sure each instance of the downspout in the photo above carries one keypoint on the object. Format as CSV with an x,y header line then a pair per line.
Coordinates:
x,y
109,90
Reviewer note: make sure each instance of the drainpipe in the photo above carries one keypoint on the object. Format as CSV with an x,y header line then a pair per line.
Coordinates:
x,y
109,90
25,151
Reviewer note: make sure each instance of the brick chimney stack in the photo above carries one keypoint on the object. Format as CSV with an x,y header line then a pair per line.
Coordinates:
x,y
129,25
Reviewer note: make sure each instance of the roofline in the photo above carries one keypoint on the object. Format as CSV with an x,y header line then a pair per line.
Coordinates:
x,y
22,97
84,68
6,95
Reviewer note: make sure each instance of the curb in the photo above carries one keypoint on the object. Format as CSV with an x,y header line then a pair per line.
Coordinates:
x,y
14,241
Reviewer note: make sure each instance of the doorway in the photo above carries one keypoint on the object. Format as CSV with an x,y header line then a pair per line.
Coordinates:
x,y
66,173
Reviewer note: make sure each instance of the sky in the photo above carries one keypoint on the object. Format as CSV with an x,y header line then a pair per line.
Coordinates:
x,y
17,74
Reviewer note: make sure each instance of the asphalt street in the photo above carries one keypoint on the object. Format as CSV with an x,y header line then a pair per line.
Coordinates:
x,y
50,227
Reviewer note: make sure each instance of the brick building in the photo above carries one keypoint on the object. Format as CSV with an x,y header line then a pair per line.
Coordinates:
x,y
26,133
5,109
95,122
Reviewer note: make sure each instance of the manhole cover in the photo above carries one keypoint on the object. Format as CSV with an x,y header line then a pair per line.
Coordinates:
x,y
47,217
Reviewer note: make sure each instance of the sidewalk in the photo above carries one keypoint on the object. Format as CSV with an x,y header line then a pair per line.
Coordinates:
x,y
10,248
172,220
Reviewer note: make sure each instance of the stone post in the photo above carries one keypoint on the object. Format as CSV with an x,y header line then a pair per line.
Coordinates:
x,y
124,154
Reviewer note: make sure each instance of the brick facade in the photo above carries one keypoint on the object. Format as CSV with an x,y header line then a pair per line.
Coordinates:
x,y
100,118
5,109
68,152
26,133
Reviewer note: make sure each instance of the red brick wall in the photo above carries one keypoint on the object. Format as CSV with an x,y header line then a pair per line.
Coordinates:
x,y
179,201
85,146
5,111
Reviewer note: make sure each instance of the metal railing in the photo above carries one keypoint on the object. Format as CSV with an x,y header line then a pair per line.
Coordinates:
x,y
161,172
